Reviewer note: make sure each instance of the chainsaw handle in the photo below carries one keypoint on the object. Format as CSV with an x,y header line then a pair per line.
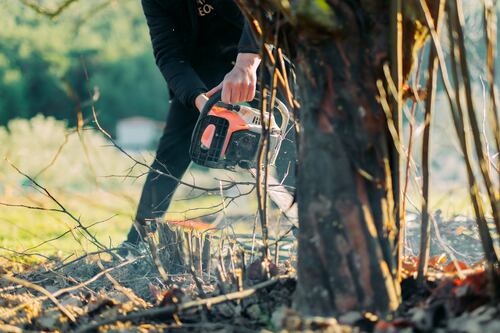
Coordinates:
x,y
201,157
282,109
285,115
214,99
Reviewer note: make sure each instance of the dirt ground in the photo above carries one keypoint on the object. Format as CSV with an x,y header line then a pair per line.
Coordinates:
x,y
102,292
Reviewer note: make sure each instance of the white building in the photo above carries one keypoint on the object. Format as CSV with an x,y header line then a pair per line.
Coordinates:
x,y
138,133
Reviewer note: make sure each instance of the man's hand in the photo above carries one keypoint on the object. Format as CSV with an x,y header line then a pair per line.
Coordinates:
x,y
239,84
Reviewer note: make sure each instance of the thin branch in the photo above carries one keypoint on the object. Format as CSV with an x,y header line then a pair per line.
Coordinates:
x,y
490,26
433,66
172,309
67,232
402,229
55,157
456,22
61,209
192,270
51,13
42,290
457,117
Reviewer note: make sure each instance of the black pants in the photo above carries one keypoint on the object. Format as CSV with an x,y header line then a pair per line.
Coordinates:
x,y
172,158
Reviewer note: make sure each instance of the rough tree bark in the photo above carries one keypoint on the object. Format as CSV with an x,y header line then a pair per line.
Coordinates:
x,y
345,195
347,254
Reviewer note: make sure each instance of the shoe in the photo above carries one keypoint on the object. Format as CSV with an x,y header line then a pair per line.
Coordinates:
x,y
131,244
127,249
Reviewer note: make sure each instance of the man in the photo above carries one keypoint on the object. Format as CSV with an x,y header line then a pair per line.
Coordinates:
x,y
200,46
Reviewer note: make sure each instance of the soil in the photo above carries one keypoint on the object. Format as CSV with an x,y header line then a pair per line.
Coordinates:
x,y
102,287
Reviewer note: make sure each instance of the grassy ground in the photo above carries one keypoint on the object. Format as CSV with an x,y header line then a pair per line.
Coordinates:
x,y
23,230
110,213
92,180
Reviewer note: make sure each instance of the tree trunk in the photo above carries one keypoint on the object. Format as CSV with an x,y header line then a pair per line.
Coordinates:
x,y
348,235
347,215
348,209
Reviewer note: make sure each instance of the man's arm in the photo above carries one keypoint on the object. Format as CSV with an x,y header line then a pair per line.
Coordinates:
x,y
248,43
239,84
170,53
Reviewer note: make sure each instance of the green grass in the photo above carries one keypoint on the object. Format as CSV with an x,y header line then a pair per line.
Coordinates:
x,y
88,177
22,229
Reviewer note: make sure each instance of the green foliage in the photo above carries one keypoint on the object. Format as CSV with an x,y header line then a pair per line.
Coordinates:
x,y
319,14
43,63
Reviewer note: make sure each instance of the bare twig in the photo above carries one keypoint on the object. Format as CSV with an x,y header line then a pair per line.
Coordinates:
x,y
67,232
490,26
48,12
192,268
61,208
456,22
458,121
55,157
171,309
402,223
42,290
429,106
86,255
396,73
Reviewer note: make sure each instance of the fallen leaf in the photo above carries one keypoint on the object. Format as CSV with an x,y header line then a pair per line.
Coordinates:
x,y
460,230
409,265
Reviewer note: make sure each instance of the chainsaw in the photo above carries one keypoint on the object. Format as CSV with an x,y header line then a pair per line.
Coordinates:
x,y
228,136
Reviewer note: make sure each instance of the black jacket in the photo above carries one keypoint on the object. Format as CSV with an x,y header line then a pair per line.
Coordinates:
x,y
173,27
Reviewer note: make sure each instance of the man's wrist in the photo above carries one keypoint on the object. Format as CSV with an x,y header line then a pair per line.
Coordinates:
x,y
248,60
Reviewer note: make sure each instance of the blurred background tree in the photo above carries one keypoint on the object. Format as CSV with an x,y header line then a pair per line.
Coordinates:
x,y
44,60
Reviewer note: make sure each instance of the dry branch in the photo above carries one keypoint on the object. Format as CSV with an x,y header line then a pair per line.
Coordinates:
x,y
60,292
459,124
172,309
61,208
490,26
429,106
42,290
456,23
48,12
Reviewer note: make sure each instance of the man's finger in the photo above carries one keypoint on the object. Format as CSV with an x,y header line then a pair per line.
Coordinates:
x,y
214,90
239,94
247,90
251,93
226,93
